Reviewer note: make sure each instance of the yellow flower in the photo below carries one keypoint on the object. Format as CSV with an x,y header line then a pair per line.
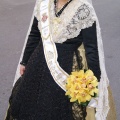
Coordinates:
x,y
92,88
89,73
92,91
79,74
83,96
73,96
94,83
81,86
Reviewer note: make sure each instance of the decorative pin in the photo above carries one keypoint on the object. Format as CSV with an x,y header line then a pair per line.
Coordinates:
x,y
56,22
44,17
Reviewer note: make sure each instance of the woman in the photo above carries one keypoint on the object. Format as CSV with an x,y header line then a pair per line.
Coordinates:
x,y
60,41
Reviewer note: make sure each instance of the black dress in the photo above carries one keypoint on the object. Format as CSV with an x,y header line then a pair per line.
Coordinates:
x,y
38,97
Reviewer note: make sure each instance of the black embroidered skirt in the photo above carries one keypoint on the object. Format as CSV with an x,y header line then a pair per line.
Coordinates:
x,y
37,96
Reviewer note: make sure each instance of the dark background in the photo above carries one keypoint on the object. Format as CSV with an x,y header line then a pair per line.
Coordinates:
x,y
15,17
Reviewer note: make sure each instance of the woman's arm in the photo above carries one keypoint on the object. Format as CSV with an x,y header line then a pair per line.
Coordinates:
x,y
32,42
91,49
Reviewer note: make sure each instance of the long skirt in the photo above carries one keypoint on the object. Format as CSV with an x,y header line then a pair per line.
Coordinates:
x,y
36,96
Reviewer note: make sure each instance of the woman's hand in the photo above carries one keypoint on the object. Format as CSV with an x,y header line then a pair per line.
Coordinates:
x,y
22,69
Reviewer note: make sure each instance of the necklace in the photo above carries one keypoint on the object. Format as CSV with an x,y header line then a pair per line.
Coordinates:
x,y
59,11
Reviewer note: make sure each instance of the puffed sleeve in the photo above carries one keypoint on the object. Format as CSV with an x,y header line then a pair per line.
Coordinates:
x,y
91,49
32,42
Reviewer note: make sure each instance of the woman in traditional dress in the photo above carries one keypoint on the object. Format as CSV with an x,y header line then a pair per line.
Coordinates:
x,y
64,36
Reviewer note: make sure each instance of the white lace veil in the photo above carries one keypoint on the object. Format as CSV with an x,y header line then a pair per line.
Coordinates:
x,y
103,106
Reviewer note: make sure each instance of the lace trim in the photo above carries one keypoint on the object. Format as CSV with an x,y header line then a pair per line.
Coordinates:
x,y
82,19
77,62
79,112
70,23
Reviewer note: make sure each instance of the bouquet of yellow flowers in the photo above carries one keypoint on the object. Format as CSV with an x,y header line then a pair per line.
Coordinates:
x,y
82,86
